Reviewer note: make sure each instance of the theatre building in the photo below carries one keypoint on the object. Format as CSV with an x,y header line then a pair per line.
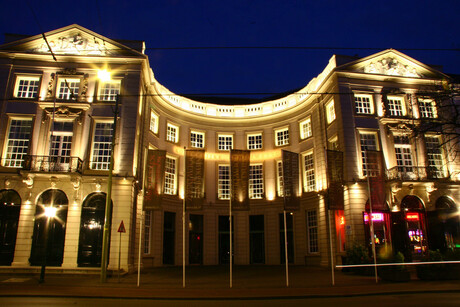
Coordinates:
x,y
316,153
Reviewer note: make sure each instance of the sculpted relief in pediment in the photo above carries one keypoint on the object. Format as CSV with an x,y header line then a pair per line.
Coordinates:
x,y
391,66
75,44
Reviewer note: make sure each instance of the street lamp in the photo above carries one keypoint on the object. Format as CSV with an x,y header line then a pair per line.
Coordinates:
x,y
50,213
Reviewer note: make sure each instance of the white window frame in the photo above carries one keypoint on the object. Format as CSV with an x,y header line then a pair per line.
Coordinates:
x,y
63,91
256,143
222,142
196,143
256,181
28,90
16,148
312,231
147,232
364,104
223,181
330,111
427,108
368,140
396,106
172,133
105,158
305,128
154,122
282,136
109,90
279,178
435,155
170,186
404,156
309,172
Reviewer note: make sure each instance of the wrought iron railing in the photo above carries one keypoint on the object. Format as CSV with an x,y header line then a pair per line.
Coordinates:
x,y
414,173
52,164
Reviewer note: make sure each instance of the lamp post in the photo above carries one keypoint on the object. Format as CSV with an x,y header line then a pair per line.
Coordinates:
x,y
50,213
108,202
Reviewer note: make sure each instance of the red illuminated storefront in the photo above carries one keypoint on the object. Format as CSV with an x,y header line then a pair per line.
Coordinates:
x,y
382,227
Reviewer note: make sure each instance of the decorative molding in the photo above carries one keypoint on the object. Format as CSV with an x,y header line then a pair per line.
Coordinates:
x,y
391,66
74,44
49,93
399,128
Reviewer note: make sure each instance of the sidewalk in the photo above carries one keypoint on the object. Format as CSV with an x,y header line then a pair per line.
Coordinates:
x,y
213,282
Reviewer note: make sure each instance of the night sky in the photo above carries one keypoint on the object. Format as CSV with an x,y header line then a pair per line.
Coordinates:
x,y
325,25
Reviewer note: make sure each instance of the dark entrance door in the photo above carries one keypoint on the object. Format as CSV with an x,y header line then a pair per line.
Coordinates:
x,y
290,238
196,239
91,231
256,239
169,230
10,206
49,237
224,239
444,225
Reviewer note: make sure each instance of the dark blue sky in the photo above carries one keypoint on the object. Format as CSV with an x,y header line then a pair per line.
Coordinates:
x,y
198,23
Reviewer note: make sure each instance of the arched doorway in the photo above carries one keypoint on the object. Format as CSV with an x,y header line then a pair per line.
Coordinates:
x,y
49,237
10,206
91,230
444,225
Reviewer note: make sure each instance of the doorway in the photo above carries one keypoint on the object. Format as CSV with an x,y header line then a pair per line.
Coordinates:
x,y
10,207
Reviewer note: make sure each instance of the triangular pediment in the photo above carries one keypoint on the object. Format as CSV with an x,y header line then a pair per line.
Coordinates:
x,y
71,40
391,62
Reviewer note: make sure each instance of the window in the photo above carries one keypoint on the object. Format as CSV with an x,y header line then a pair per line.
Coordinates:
x,y
330,112
197,139
282,137
309,172
368,141
147,229
364,104
396,106
170,176
280,178
153,122
333,143
403,154
427,108
61,145
68,88
312,231
172,133
305,129
17,143
224,142
435,156
255,141
102,145
108,91
256,181
223,184
26,87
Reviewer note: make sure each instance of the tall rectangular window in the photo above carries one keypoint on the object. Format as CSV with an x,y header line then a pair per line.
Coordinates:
x,y
153,122
224,142
364,104
108,91
255,141
434,156
396,106
312,231
26,87
280,178
102,145
368,141
403,154
282,137
223,182
256,181
305,129
61,145
170,176
330,111
172,133
68,88
197,139
427,108
309,172
17,143
147,231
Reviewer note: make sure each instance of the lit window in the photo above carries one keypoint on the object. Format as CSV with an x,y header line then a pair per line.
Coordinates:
x,y
225,142
68,88
61,145
223,184
427,108
396,106
434,152
108,91
153,122
282,137
312,231
309,172
256,181
17,143
102,145
170,176
333,143
26,87
364,104
255,141
330,112
368,141
305,129
197,139
147,231
403,154
172,133
280,178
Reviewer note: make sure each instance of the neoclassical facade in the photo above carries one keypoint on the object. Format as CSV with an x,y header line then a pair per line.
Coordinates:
x,y
56,129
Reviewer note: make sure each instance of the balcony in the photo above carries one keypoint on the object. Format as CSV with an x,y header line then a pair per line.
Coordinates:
x,y
416,173
52,164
